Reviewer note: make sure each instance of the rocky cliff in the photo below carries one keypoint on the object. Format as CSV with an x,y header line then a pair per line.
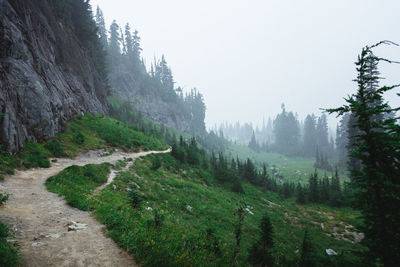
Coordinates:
x,y
142,94
46,76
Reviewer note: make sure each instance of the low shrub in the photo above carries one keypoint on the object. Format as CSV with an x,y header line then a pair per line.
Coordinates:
x,y
156,163
56,149
9,255
35,155
79,139
135,198
3,198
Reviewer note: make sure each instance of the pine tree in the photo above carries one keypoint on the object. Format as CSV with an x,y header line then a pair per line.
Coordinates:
x,y
128,40
307,252
310,135
322,133
238,232
336,197
313,190
286,132
114,46
253,143
101,26
342,142
301,196
377,147
260,252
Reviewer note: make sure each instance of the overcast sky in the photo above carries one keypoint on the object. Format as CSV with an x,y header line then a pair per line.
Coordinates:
x,y
248,57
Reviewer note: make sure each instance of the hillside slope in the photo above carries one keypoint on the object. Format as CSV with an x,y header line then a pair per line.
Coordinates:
x,y
46,76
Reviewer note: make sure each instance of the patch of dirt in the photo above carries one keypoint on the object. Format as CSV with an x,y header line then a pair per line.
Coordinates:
x,y
41,219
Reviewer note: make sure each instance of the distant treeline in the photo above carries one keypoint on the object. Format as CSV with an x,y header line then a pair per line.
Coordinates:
x,y
288,135
232,172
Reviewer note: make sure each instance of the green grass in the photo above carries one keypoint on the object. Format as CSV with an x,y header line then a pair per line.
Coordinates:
x,y
293,169
83,133
94,132
34,155
171,235
9,255
77,183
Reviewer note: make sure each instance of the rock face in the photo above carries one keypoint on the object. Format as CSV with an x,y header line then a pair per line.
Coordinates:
x,y
46,76
136,89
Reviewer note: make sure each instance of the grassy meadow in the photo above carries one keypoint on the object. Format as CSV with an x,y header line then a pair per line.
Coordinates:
x,y
293,169
177,215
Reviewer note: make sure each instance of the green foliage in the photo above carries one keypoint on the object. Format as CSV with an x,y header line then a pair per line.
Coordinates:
x,y
35,155
76,183
9,255
3,198
117,133
79,139
253,143
260,252
376,147
204,235
238,232
92,132
8,163
156,164
286,132
135,198
308,258
55,148
158,218
237,187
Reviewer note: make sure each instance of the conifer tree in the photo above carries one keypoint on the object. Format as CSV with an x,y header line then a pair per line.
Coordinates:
x,y
260,252
128,40
253,143
377,147
307,251
310,135
101,26
301,197
238,232
114,47
313,191
336,192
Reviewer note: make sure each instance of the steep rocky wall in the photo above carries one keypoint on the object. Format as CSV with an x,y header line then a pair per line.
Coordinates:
x,y
138,91
46,77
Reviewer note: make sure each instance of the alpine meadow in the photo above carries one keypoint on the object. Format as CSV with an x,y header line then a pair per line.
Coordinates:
x,y
199,133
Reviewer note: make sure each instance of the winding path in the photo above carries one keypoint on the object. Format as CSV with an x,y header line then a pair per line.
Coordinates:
x,y
40,219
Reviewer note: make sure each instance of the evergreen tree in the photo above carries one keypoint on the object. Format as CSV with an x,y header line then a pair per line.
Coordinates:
x,y
286,132
336,197
301,196
322,134
313,191
307,251
128,40
114,47
260,252
310,135
238,232
101,26
253,143
342,142
377,147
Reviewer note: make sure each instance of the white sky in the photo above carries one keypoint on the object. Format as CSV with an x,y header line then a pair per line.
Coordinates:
x,y
247,57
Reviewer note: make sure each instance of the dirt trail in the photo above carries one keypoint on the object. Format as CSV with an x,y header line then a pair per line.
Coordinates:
x,y
40,219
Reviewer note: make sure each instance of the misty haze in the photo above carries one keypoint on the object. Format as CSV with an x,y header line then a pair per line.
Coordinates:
x,y
199,133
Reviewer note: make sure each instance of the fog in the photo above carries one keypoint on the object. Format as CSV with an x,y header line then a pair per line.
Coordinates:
x,y
248,57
